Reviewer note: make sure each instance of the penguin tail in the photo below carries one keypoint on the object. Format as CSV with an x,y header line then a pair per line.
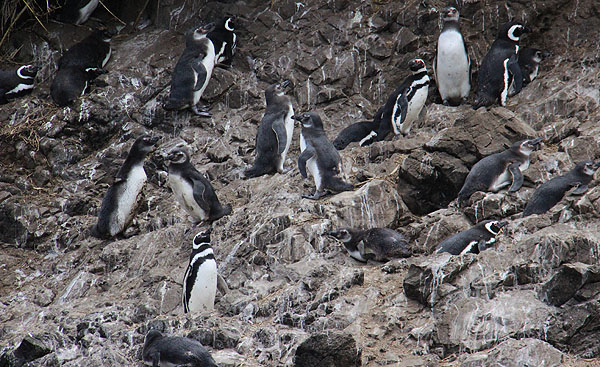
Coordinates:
x,y
224,210
338,185
95,231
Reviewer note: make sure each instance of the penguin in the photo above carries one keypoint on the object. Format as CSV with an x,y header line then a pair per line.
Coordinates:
x,y
379,244
77,11
551,192
121,199
224,40
79,65
529,60
500,67
193,190
200,279
165,351
452,65
474,240
275,132
404,105
319,156
355,133
499,170
192,72
16,83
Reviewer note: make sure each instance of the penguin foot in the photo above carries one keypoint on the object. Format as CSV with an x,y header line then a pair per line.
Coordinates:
x,y
201,113
446,103
283,171
316,196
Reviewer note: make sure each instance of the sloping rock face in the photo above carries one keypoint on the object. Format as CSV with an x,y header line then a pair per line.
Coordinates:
x,y
69,299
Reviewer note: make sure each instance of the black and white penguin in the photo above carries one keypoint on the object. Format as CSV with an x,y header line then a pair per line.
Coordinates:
x,y
79,65
379,244
529,61
404,105
200,279
499,170
166,351
355,133
224,40
193,190
77,11
121,200
275,132
551,192
192,72
500,67
319,156
16,83
474,240
452,65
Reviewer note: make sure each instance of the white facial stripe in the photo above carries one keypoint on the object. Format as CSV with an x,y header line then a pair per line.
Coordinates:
x,y
198,245
227,26
489,225
21,75
511,32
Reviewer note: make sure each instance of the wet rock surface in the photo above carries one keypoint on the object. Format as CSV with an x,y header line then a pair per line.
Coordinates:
x,y
69,299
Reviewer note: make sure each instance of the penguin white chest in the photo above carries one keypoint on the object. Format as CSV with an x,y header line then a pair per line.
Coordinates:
x,y
208,62
133,186
184,192
311,165
289,129
203,286
452,68
415,104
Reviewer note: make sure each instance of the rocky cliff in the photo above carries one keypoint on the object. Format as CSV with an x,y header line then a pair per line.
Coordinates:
x,y
69,299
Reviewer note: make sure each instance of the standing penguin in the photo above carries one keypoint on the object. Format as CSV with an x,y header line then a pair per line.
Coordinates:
x,y
500,67
474,240
404,105
379,244
192,72
121,199
499,170
16,83
275,132
79,65
320,156
77,11
193,191
551,192
529,61
200,279
165,351
224,40
452,65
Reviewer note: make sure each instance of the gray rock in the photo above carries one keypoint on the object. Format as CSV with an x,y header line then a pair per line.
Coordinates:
x,y
328,350
511,352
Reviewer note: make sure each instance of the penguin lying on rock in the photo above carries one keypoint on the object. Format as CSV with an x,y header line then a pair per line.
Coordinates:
x,y
160,350
379,244
499,170
319,156
529,61
474,240
551,192
15,83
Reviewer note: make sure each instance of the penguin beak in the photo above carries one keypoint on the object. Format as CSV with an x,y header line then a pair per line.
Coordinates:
x,y
297,117
535,142
546,54
333,233
285,83
155,139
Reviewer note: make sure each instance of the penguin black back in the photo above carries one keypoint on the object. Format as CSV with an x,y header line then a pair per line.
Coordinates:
x,y
474,240
162,350
92,52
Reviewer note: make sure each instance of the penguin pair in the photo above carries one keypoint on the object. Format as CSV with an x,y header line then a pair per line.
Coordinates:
x,y
551,192
15,83
499,170
474,240
192,72
319,157
79,65
275,132
160,350
122,198
224,40
193,190
500,67
379,244
400,111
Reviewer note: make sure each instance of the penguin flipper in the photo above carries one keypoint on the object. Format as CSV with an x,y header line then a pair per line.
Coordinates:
x,y
278,127
579,188
402,103
222,284
517,177
199,68
200,193
307,154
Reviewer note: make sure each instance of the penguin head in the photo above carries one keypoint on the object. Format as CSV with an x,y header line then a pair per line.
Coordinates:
x,y
151,336
451,14
201,238
178,156
512,31
526,146
103,34
227,23
201,32
145,143
343,234
27,71
276,90
588,168
309,120
495,226
417,65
